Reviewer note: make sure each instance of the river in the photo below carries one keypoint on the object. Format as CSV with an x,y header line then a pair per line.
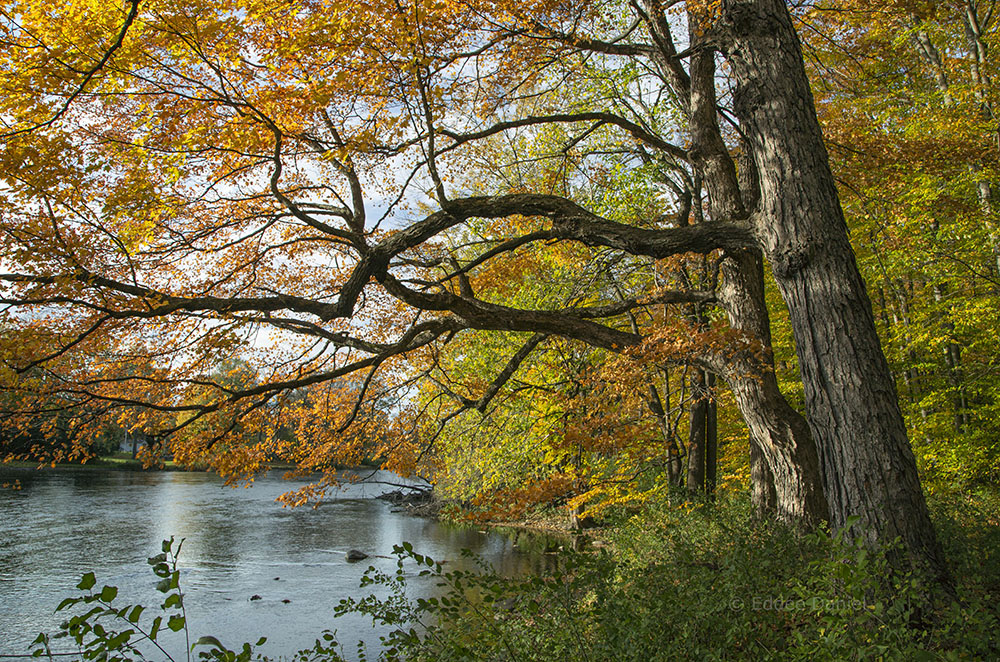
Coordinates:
x,y
238,544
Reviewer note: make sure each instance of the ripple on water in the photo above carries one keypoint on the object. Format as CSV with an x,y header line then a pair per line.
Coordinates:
x,y
64,523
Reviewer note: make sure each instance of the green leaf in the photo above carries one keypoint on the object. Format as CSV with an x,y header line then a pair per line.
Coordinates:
x,y
121,638
87,582
209,640
133,616
173,600
176,623
167,544
109,593
66,603
155,628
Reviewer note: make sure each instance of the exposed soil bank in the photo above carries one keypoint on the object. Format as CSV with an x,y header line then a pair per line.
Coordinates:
x,y
542,534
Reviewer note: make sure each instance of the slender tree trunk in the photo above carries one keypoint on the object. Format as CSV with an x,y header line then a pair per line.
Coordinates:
x,y
698,412
866,460
915,388
674,455
698,428
953,363
711,438
981,81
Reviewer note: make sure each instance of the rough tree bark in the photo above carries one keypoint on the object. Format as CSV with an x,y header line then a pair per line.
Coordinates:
x,y
790,486
781,436
866,460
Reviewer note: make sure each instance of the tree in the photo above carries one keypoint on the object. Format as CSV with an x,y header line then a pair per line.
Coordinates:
x,y
867,462
907,106
188,177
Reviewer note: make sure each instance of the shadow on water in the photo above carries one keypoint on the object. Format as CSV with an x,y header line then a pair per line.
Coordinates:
x,y
238,543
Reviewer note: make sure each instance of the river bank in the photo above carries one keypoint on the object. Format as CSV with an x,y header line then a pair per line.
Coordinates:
x,y
545,533
710,580
125,462
105,462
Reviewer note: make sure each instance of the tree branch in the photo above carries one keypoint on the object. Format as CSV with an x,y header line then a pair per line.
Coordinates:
x,y
637,131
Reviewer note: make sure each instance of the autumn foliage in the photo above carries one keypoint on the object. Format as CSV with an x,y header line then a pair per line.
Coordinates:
x,y
491,244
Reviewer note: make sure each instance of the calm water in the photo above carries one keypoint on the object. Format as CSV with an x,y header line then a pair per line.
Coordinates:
x,y
239,543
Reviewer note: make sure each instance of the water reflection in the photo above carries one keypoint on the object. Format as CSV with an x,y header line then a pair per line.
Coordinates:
x,y
239,543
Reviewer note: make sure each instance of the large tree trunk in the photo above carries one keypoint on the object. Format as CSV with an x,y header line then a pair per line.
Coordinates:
x,y
763,496
851,401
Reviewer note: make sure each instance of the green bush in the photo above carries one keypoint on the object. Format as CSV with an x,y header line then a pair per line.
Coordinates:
x,y
706,582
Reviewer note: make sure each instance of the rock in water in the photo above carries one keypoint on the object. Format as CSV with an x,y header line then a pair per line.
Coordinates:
x,y
355,555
